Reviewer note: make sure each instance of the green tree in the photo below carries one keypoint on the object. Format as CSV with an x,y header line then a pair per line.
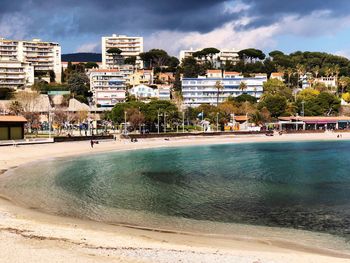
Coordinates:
x,y
276,104
219,87
344,83
277,87
130,60
78,83
155,58
15,107
91,65
52,76
252,54
191,68
244,98
116,55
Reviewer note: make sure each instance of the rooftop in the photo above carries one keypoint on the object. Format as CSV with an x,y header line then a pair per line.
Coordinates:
x,y
11,118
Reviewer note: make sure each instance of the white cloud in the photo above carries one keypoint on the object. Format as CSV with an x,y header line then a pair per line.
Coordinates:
x,y
343,53
14,26
231,36
89,47
234,7
225,37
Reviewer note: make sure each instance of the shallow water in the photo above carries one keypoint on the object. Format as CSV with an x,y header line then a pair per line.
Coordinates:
x,y
304,185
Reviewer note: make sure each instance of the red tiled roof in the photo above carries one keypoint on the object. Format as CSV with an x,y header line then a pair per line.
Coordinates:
x,y
231,73
241,118
277,74
10,118
315,118
214,71
105,70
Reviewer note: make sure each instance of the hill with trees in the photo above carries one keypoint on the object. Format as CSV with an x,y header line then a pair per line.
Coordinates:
x,y
82,57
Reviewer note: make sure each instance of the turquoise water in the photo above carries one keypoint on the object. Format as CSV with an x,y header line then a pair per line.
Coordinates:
x,y
304,185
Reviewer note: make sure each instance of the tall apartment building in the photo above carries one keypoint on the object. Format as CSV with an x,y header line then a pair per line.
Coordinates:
x,y
219,58
130,47
43,56
15,74
107,87
202,90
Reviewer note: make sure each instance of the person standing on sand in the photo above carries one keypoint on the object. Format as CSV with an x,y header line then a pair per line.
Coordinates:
x,y
92,143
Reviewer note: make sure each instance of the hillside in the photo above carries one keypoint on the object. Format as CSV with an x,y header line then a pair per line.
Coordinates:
x,y
82,57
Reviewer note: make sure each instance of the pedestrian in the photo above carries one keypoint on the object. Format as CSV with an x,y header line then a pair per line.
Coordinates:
x,y
92,143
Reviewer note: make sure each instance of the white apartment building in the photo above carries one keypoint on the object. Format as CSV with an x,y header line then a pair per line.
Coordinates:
x,y
107,86
43,56
15,74
202,90
219,58
162,92
130,46
143,92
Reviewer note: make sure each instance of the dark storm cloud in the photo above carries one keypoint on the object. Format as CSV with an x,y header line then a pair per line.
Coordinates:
x,y
271,11
62,18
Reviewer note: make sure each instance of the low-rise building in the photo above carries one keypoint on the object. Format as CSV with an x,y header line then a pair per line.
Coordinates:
x,y
164,92
15,74
218,59
277,75
203,90
107,86
141,76
12,127
165,77
143,92
314,123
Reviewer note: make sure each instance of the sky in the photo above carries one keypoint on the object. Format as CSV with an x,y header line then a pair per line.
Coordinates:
x,y
78,25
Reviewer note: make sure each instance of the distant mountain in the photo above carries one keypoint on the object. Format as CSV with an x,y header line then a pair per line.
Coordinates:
x,y
82,57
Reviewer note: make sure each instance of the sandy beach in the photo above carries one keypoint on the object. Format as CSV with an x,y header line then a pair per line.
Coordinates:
x,y
30,236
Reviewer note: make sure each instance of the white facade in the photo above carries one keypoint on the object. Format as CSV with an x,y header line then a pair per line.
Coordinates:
x,y
219,58
43,56
164,92
277,75
328,81
197,91
130,46
15,74
107,86
143,92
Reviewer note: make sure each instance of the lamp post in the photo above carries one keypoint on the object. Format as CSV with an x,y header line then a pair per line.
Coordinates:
x,y
124,122
183,122
165,115
302,108
217,122
158,119
49,123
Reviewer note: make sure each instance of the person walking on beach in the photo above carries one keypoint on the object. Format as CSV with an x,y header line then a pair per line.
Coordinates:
x,y
92,143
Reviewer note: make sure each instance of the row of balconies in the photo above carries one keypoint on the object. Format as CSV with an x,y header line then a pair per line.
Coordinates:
x,y
214,90
11,77
9,44
12,71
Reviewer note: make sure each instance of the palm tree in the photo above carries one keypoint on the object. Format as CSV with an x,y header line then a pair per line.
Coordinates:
x,y
316,71
336,70
300,72
343,82
116,55
289,74
243,86
219,87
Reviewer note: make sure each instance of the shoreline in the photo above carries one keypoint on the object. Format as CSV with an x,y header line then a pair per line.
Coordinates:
x,y
156,244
